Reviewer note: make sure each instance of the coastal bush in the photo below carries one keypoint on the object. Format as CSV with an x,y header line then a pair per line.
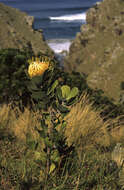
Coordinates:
x,y
16,85
51,93
56,88
47,144
13,78
41,91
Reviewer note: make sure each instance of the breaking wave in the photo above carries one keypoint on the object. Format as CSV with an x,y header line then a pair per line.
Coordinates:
x,y
71,18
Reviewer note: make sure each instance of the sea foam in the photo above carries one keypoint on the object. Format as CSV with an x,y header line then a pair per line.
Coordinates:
x,y
59,45
74,17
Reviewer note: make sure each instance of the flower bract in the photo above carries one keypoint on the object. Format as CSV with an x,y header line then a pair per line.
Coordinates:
x,y
37,67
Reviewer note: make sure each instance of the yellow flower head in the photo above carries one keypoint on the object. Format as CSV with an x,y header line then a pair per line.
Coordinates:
x,y
37,66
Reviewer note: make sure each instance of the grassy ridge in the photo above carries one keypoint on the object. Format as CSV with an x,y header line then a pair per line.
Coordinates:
x,y
99,48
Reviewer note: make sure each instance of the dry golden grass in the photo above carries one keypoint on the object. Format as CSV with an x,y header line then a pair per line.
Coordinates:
x,y
4,116
117,133
19,123
85,128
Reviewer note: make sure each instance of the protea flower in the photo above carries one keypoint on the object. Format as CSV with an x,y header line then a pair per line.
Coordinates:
x,y
37,66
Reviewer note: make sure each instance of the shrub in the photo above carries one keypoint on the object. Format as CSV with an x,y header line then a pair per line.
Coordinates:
x,y
13,77
46,145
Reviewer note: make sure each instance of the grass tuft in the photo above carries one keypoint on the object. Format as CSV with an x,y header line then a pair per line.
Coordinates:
x,y
18,123
86,128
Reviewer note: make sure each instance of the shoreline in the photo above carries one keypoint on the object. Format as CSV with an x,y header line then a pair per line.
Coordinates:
x,y
60,48
59,45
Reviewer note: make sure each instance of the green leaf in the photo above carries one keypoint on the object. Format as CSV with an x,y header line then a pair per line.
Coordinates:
x,y
32,144
59,93
65,91
37,80
39,95
41,132
55,84
63,124
32,86
62,108
74,92
55,156
52,167
48,142
42,156
37,155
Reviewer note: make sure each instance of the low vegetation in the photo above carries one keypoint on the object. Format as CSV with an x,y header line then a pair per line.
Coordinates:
x,y
56,133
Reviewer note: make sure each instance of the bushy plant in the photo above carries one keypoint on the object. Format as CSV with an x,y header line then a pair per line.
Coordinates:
x,y
53,128
13,77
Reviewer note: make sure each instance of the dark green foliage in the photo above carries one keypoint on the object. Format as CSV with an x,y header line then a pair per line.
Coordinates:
x,y
13,76
48,162
47,90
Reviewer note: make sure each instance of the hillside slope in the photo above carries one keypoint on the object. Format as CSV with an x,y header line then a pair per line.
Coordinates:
x,y
16,31
98,50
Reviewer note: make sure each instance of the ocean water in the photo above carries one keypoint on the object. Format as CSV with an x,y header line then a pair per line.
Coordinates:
x,y
60,20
